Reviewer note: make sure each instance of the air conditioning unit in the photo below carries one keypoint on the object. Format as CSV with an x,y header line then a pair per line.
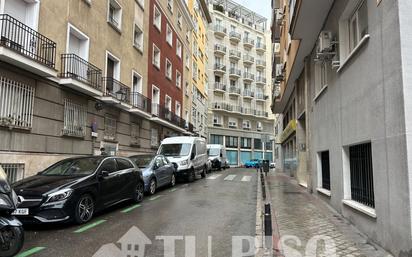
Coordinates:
x,y
325,42
246,125
259,126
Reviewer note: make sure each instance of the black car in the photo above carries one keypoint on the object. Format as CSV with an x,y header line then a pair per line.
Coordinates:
x,y
74,189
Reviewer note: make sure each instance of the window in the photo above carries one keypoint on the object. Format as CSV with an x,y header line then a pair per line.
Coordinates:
x,y
168,102
109,165
138,38
14,171
115,14
168,69
325,170
157,18
232,123
259,126
187,61
358,25
245,143
216,139
78,44
217,120
75,117
361,174
321,78
156,56
169,35
231,142
123,164
135,134
257,142
154,137
110,127
194,71
170,5
187,88
179,48
246,124
16,104
178,109
178,79
179,20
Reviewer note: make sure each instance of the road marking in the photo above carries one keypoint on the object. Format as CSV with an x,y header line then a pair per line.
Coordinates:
x,y
230,177
155,197
214,176
131,208
173,189
31,251
246,178
87,227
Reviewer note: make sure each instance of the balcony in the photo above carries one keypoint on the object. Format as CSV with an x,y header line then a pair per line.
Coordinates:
x,y
220,31
235,55
248,42
117,93
260,64
248,59
235,37
141,105
80,75
248,94
234,91
219,68
219,87
164,116
235,73
220,49
260,47
248,77
260,97
248,111
260,80
24,47
261,114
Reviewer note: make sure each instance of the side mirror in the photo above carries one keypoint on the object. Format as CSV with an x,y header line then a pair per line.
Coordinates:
x,y
104,174
192,156
155,167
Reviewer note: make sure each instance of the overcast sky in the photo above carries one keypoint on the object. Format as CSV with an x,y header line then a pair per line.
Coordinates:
x,y
261,7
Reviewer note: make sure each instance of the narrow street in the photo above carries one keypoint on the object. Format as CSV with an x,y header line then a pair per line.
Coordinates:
x,y
221,206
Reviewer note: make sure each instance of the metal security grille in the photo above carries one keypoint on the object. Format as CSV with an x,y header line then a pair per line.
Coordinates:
x,y
16,104
110,128
324,157
75,117
361,174
14,171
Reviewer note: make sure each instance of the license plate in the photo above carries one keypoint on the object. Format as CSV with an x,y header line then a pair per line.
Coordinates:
x,y
21,211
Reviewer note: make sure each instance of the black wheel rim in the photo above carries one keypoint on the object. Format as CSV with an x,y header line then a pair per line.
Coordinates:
x,y
86,208
8,238
173,180
139,192
152,187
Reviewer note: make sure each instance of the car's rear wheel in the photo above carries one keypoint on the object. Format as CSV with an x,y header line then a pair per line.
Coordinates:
x,y
203,174
139,192
152,186
192,176
84,209
173,180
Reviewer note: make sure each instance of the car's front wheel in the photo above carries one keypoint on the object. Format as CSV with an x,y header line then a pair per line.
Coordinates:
x,y
139,192
152,186
84,209
203,174
12,239
173,180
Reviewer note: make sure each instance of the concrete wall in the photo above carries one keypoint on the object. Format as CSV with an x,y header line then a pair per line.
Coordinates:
x,y
364,102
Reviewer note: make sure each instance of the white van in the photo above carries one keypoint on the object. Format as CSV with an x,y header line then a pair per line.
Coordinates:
x,y
217,156
189,153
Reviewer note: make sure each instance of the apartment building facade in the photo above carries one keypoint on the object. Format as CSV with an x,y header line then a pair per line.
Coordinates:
x,y
341,88
75,85
240,93
198,92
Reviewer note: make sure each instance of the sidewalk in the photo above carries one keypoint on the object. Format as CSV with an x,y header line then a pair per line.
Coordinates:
x,y
300,214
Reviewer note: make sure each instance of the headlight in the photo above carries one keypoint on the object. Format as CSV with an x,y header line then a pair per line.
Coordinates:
x,y
59,195
184,163
4,201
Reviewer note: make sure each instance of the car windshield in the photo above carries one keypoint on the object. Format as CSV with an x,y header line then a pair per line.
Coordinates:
x,y
142,161
73,167
213,151
175,149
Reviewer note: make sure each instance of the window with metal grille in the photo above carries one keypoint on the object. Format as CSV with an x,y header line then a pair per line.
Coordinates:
x,y
258,143
110,127
134,134
75,117
154,137
14,171
246,143
231,142
16,104
216,139
324,159
361,174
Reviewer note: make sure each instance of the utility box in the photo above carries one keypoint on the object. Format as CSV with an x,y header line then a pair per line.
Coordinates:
x,y
265,165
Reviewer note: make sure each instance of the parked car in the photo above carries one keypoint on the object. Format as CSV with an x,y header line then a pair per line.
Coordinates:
x,y
75,189
217,156
254,163
157,171
189,153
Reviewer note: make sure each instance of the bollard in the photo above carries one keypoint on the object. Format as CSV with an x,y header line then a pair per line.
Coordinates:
x,y
268,220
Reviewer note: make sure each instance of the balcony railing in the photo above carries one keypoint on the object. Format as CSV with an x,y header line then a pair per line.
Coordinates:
x,y
20,38
248,41
260,63
220,67
220,48
165,114
260,79
248,58
116,89
219,86
235,54
235,72
261,113
235,35
260,96
260,46
248,76
248,93
234,90
141,102
74,67
220,29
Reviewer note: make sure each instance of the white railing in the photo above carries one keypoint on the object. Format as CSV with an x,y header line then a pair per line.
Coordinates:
x,y
14,171
75,117
16,104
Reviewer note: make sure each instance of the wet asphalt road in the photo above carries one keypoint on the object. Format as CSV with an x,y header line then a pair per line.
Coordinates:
x,y
218,207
